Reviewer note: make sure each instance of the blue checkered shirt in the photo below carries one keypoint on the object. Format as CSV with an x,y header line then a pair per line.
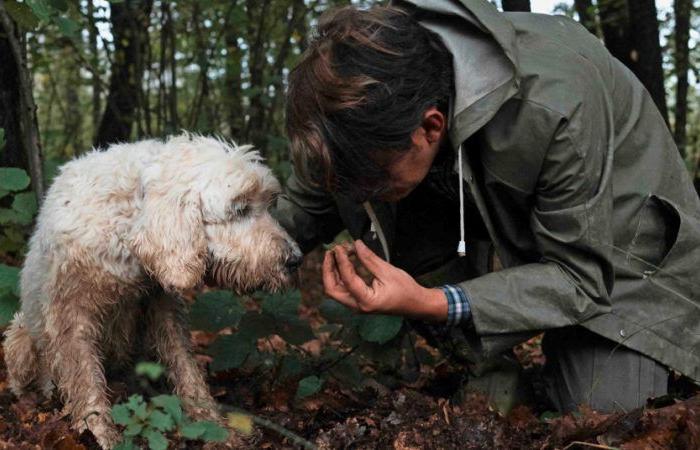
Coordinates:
x,y
458,309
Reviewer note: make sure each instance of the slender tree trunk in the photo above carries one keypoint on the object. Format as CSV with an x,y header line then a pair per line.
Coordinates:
x,y
646,50
631,32
95,58
587,15
682,10
232,84
516,5
614,22
257,48
73,119
22,130
174,123
129,19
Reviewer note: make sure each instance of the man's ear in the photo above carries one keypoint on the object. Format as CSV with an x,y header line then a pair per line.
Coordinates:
x,y
434,123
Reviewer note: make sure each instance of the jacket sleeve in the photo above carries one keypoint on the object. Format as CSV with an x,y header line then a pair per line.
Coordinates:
x,y
571,221
309,215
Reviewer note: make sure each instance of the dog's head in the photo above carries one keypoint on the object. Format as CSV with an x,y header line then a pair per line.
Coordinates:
x,y
205,214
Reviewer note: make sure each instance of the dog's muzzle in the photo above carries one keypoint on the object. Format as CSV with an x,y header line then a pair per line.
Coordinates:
x,y
294,260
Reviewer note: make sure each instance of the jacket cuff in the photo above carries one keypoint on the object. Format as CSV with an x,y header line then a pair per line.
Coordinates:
x,y
458,307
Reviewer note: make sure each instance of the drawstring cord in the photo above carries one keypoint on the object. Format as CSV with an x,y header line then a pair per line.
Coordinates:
x,y
462,246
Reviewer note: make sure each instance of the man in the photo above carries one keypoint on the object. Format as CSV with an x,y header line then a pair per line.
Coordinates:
x,y
517,135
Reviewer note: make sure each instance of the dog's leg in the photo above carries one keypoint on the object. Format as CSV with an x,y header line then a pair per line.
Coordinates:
x,y
169,335
73,324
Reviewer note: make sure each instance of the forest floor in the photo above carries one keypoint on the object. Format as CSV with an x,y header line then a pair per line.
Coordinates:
x,y
416,415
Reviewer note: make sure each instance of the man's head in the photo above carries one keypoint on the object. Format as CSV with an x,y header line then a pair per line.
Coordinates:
x,y
367,105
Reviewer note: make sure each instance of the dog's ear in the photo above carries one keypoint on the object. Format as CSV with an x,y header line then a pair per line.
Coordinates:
x,y
168,237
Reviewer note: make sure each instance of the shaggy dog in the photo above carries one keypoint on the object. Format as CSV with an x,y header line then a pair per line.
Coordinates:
x,y
120,234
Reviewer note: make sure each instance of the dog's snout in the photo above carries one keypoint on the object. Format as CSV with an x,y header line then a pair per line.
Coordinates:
x,y
293,261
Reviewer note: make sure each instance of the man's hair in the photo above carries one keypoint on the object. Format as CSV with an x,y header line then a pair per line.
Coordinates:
x,y
359,92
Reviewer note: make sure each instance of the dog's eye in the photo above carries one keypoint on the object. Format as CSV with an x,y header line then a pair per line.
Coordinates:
x,y
240,209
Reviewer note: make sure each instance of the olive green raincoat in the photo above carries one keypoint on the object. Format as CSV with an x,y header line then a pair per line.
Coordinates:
x,y
575,176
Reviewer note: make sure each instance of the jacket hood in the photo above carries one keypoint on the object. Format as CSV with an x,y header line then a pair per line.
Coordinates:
x,y
484,54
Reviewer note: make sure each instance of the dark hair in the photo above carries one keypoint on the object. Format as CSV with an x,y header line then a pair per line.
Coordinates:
x,y
360,90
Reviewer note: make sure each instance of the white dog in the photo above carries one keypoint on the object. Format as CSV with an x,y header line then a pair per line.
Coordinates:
x,y
118,232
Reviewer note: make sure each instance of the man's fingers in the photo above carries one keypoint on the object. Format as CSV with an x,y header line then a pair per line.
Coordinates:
x,y
349,277
332,284
369,259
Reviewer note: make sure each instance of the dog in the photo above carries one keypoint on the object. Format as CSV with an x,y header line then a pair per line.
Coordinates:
x,y
121,235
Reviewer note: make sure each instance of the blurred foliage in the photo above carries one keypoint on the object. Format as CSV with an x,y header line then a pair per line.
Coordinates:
x,y
355,340
149,421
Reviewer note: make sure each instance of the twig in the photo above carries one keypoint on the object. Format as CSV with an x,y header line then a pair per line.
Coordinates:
x,y
261,421
588,444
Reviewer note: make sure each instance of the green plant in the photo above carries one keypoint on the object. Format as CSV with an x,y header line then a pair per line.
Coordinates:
x,y
9,293
150,421
357,340
21,211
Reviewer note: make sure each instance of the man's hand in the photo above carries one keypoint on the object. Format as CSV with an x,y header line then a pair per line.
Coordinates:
x,y
392,291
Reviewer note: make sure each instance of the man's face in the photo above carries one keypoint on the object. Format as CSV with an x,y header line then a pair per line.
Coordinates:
x,y
407,169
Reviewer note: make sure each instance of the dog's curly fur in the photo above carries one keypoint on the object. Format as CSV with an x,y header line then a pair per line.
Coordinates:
x,y
120,235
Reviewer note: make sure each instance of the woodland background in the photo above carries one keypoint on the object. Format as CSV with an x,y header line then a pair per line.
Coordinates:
x,y
81,73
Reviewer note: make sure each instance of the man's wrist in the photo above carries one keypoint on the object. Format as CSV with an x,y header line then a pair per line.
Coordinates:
x,y
433,306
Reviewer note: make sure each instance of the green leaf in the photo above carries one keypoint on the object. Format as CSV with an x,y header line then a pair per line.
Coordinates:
x,y
192,430
9,279
121,414
215,310
333,311
126,444
149,369
255,326
170,404
2,138
309,386
230,352
24,204
8,216
283,305
22,14
40,9
295,331
291,366
13,179
9,305
60,5
156,440
161,421
380,328
213,432
133,429
137,405
67,27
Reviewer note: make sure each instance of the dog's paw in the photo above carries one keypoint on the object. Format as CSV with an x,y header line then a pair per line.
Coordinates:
x,y
102,427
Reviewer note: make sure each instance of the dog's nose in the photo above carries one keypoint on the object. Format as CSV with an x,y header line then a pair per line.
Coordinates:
x,y
293,261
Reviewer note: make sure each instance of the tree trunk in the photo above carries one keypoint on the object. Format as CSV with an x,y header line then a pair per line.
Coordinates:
x,y
516,5
646,50
257,26
587,15
631,32
95,58
232,82
682,10
17,107
129,22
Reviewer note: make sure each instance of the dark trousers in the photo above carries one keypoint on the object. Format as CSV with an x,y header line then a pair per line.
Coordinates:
x,y
585,368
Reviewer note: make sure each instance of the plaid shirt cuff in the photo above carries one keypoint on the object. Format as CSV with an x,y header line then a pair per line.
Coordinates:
x,y
458,309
